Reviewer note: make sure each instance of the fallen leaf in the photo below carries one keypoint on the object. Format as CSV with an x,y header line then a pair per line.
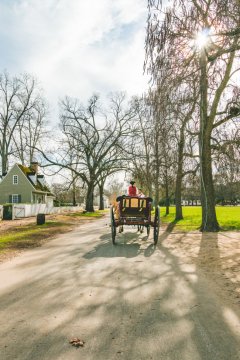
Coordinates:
x,y
76,342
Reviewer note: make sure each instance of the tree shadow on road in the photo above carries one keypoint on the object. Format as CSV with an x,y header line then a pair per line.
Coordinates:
x,y
128,244
219,267
138,308
206,310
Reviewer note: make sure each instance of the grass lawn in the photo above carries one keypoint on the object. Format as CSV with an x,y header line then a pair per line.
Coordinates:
x,y
228,217
32,235
25,236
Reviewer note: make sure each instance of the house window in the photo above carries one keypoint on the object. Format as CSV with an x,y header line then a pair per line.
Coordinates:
x,y
15,179
15,198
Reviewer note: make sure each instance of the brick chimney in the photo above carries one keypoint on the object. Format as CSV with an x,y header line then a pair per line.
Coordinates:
x,y
34,166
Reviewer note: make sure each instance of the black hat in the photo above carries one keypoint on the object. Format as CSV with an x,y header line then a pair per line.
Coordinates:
x,y
132,182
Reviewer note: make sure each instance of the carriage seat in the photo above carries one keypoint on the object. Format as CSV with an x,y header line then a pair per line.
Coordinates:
x,y
133,206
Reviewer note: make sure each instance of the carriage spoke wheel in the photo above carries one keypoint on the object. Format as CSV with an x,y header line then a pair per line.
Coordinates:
x,y
148,230
113,226
156,225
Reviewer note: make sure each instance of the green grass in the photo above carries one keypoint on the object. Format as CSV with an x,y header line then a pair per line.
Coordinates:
x,y
228,217
95,214
25,233
32,235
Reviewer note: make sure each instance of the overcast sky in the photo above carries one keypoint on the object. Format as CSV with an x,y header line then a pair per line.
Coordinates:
x,y
75,47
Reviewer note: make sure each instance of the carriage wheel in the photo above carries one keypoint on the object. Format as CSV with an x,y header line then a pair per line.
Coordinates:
x,y
148,229
140,228
156,225
113,226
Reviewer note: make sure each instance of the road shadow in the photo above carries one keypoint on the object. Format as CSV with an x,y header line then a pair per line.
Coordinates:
x,y
209,251
166,232
149,251
206,310
127,244
216,265
123,308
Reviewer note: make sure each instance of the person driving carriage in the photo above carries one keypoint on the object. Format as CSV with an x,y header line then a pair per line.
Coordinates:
x,y
132,190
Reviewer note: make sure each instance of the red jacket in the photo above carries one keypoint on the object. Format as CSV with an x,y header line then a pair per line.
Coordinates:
x,y
132,190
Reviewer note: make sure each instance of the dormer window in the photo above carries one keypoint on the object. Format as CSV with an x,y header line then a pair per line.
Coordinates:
x,y
41,179
15,179
33,178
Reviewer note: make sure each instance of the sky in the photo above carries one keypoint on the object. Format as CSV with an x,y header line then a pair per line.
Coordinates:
x,y
75,47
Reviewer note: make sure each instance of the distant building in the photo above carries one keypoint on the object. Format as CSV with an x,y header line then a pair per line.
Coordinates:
x,y
24,184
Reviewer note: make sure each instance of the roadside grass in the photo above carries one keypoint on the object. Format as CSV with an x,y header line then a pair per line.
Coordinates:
x,y
228,217
95,214
25,236
32,235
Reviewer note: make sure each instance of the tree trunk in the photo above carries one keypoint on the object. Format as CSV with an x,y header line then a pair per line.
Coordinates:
x,y
157,187
89,198
209,218
167,196
101,199
150,190
74,190
178,190
4,163
178,200
149,177
74,197
156,180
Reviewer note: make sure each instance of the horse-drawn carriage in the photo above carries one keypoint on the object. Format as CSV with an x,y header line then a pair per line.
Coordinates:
x,y
133,210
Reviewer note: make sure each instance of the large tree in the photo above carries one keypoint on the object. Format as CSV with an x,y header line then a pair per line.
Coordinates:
x,y
93,140
20,97
202,38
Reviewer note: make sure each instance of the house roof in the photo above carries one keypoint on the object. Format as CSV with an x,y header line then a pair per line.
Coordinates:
x,y
38,186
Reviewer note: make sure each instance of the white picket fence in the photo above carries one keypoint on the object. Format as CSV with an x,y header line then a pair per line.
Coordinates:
x,y
27,210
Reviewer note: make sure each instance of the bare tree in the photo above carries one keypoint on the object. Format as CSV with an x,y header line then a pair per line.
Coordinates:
x,y
19,97
29,132
226,162
92,140
141,147
183,106
114,189
65,194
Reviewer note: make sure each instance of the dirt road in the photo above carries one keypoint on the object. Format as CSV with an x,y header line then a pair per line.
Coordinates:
x,y
131,301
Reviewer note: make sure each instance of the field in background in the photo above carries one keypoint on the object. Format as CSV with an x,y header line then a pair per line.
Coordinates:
x,y
228,217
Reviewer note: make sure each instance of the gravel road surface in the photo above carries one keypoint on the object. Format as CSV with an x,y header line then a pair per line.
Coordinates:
x,y
132,301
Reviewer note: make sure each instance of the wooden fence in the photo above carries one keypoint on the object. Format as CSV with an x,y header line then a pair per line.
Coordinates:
x,y
27,210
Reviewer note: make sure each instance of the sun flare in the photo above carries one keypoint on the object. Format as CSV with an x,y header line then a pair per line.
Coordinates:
x,y
202,38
